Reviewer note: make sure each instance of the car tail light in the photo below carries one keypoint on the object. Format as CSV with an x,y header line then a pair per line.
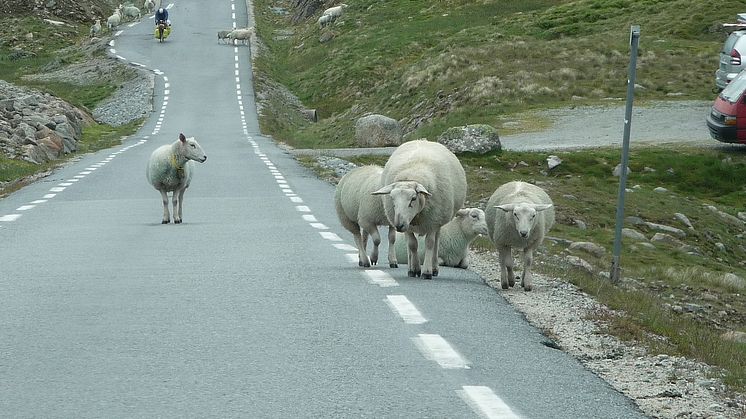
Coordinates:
x,y
735,57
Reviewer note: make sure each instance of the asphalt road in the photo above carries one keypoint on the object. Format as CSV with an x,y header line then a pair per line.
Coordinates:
x,y
254,306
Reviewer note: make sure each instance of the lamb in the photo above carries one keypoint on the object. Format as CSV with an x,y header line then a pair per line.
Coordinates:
x,y
455,238
243,35
170,170
335,11
148,6
131,11
95,28
115,19
358,210
425,185
325,20
519,215
223,35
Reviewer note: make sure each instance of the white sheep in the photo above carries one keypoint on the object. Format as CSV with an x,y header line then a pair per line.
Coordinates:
x,y
170,170
131,11
115,19
455,238
425,185
519,215
325,20
243,35
95,28
335,11
148,6
361,213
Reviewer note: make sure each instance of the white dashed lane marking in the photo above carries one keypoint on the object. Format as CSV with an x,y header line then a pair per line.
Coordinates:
x,y
10,217
486,403
405,309
436,348
380,278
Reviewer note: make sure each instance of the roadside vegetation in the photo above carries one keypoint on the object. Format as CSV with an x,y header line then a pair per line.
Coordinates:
x,y
433,65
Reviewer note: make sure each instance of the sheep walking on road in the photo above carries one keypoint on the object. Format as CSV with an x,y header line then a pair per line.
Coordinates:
x,y
361,213
455,238
170,170
243,35
519,215
223,35
425,185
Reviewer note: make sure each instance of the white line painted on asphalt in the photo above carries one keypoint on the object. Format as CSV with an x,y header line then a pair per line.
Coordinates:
x,y
405,309
352,257
296,199
302,208
328,235
486,403
64,184
25,207
380,278
437,349
319,226
57,189
10,217
345,247
39,201
49,196
310,218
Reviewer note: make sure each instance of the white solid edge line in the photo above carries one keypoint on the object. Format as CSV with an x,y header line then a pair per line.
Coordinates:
x,y
401,305
486,403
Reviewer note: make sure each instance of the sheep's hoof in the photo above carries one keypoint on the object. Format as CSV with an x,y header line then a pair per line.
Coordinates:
x,y
165,221
393,265
366,265
527,288
435,272
428,276
504,285
360,263
177,221
412,274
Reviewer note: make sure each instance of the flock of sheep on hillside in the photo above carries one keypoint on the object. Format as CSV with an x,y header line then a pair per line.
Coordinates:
x,y
420,192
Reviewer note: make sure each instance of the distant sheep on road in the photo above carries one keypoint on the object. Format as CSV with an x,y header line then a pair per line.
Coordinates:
x,y
519,215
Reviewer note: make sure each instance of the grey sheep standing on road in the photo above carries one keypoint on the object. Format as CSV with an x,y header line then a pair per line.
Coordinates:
x,y
361,213
425,185
519,215
170,170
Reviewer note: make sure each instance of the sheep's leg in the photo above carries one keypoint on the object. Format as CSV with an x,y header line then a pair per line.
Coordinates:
x,y
436,251
178,201
506,267
373,231
393,263
412,258
528,260
361,241
431,255
166,215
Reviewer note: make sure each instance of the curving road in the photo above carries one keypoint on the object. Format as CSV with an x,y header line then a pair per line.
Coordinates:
x,y
254,306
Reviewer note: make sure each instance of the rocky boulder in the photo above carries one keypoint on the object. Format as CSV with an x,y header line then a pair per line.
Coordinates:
x,y
478,138
36,126
377,131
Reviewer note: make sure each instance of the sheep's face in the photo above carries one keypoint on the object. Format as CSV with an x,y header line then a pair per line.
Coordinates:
x,y
473,221
408,199
524,216
191,149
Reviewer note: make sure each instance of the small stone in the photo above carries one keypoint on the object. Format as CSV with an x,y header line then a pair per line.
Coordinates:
x,y
660,190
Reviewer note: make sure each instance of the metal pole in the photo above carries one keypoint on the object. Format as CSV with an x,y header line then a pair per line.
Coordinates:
x,y
634,40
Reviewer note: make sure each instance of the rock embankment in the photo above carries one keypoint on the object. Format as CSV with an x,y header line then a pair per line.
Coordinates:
x,y
37,127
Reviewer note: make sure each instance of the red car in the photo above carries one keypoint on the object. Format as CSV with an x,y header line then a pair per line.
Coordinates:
x,y
727,118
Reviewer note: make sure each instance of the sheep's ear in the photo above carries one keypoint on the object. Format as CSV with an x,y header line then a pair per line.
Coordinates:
x,y
384,191
463,212
506,207
542,207
182,138
421,189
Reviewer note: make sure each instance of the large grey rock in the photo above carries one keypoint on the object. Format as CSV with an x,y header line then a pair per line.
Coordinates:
x,y
588,247
667,229
634,235
377,131
477,138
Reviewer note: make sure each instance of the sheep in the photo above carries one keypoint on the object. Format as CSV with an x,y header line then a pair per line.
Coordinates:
x,y
131,11
95,28
223,35
425,185
325,20
148,6
115,19
243,35
170,170
455,238
519,215
358,210
335,11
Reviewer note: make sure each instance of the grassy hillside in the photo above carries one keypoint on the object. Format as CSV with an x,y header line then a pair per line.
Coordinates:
x,y
435,64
